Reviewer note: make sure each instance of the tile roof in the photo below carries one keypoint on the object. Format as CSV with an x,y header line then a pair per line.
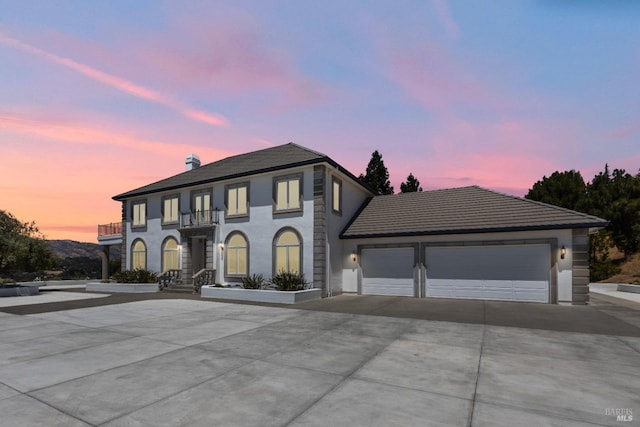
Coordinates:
x,y
458,211
267,160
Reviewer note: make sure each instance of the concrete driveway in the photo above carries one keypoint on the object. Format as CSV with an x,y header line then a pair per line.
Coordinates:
x,y
188,362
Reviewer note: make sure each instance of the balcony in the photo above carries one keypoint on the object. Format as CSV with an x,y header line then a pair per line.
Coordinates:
x,y
110,234
199,220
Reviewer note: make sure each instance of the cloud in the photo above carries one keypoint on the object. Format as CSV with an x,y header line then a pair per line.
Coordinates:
x,y
435,79
118,83
89,134
444,16
227,54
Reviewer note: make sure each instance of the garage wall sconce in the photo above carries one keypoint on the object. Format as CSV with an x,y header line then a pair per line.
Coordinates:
x,y
563,252
354,257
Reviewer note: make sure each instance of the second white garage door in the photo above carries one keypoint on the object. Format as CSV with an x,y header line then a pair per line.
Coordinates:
x,y
513,272
387,271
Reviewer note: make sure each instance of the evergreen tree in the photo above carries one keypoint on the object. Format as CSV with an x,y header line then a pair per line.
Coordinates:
x,y
412,185
564,189
617,198
377,175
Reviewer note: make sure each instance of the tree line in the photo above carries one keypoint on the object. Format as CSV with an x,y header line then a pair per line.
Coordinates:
x,y
614,196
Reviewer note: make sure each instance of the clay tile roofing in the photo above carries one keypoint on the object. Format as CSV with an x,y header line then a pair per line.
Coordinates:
x,y
459,211
267,160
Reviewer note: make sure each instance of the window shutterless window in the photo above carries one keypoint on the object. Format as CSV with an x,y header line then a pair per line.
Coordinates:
x,y
237,255
138,255
237,199
337,195
170,254
170,210
287,252
201,207
288,193
139,214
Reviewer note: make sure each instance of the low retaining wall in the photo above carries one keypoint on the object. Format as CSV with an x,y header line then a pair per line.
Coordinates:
x,y
635,289
258,295
136,288
19,291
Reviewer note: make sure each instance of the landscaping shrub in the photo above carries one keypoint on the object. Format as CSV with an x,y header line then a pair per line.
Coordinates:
x,y
289,281
139,275
255,281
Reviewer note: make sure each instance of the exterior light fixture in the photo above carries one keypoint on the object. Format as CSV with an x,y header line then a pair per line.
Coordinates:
x,y
221,246
563,252
353,256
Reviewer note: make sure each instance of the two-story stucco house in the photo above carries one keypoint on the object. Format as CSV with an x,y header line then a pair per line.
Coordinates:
x,y
294,209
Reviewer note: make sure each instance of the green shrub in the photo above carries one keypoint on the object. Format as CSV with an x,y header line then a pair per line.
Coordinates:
x,y
603,270
255,281
139,275
289,281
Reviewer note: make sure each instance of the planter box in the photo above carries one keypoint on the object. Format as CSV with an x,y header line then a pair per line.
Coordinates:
x,y
135,288
629,288
19,291
257,295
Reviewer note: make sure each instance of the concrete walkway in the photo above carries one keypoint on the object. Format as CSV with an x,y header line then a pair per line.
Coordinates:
x,y
190,362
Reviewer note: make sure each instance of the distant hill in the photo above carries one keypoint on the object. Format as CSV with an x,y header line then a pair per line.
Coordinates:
x,y
72,249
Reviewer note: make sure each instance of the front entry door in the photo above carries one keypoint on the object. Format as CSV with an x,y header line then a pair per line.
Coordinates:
x,y
198,253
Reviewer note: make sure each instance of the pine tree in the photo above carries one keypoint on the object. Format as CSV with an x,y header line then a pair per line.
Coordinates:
x,y
565,189
377,175
411,186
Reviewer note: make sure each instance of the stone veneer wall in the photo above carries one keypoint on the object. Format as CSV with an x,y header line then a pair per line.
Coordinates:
x,y
319,230
580,256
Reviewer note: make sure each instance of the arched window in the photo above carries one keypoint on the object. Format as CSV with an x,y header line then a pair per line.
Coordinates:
x,y
138,254
237,248
287,251
170,254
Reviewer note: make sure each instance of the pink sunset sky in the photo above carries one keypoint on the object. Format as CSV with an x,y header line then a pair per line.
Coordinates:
x,y
98,98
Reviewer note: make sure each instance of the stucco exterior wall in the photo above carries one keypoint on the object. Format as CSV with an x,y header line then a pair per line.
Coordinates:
x,y
353,196
262,225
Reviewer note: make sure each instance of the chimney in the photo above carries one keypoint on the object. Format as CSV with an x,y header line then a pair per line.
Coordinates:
x,y
192,162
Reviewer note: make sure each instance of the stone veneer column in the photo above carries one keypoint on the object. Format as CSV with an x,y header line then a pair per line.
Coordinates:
x,y
124,251
580,256
319,230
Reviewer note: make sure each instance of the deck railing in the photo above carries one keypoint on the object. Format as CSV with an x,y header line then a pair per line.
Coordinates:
x,y
112,229
198,219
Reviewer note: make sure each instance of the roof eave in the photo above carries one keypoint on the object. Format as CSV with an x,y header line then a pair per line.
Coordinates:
x,y
590,226
326,159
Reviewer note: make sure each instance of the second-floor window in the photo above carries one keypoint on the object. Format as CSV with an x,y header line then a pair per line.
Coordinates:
x,y
170,210
337,195
288,193
201,207
139,214
237,199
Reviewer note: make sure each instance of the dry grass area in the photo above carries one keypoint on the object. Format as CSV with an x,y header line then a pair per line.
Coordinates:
x,y
629,270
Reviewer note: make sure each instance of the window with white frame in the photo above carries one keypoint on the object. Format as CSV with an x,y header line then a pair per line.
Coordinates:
x,y
138,255
237,249
237,197
170,210
170,254
139,214
288,192
287,252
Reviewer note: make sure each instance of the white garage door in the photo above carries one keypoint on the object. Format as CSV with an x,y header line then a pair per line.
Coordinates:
x,y
387,271
513,272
